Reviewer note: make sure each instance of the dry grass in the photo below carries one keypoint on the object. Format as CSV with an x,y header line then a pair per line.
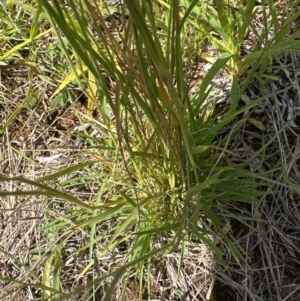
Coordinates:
x,y
271,241
24,220
24,241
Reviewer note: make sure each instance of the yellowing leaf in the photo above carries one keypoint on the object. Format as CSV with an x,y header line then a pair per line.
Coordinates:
x,y
207,57
200,149
257,123
92,93
68,80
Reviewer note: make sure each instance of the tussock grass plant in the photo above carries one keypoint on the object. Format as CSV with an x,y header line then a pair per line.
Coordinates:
x,y
163,168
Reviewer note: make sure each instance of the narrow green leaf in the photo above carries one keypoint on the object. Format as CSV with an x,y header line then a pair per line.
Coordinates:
x,y
215,68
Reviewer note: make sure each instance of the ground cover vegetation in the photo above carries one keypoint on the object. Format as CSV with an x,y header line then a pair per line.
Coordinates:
x,y
149,150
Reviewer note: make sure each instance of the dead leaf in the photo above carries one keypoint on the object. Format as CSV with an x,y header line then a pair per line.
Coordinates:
x,y
257,123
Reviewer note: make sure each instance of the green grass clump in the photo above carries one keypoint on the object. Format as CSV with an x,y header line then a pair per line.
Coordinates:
x,y
164,164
